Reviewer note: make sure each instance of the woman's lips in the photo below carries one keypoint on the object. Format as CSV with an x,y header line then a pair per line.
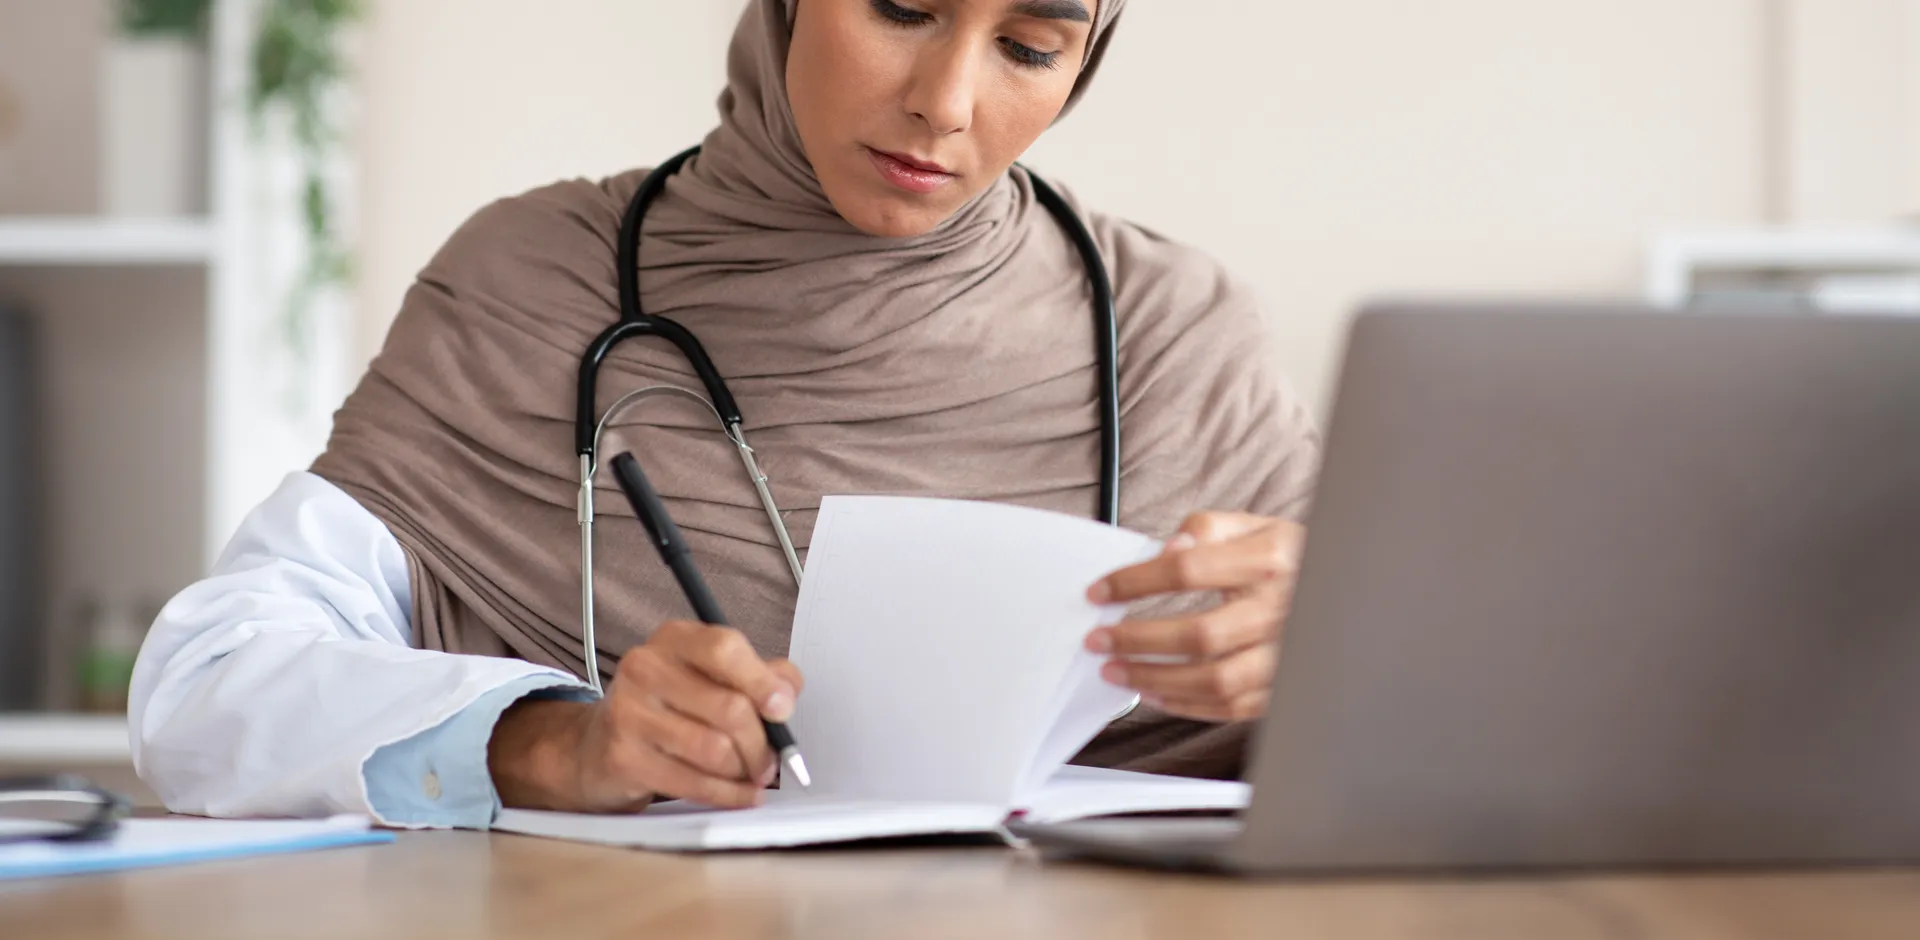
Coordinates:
x,y
912,176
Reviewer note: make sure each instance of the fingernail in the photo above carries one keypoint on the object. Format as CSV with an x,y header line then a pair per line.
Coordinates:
x,y
1180,543
1100,641
767,775
1114,673
1100,593
779,706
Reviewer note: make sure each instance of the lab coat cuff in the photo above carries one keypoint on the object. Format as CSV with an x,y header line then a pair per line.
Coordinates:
x,y
438,778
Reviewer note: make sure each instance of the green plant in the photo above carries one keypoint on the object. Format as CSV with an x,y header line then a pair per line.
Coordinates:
x,y
297,62
185,18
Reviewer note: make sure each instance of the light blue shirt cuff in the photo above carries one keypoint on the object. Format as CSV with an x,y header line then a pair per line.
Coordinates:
x,y
439,777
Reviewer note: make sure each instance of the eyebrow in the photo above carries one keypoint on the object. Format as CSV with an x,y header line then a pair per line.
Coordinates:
x,y
1054,10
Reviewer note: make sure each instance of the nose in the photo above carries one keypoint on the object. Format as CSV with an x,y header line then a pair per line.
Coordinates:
x,y
941,89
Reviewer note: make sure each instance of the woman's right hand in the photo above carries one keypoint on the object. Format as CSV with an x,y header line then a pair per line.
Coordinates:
x,y
680,720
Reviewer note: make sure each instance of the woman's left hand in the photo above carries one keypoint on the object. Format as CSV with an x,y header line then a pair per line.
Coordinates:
x,y
1218,664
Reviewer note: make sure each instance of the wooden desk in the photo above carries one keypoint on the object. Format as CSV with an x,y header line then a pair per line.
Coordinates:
x,y
447,885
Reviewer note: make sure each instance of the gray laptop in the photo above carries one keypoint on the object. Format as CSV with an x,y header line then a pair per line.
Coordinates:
x,y
1593,588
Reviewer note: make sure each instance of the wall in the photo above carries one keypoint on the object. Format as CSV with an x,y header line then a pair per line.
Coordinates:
x,y
1331,151
1326,150
465,101
1852,132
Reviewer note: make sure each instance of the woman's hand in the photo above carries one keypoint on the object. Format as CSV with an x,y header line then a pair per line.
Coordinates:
x,y
681,719
1216,665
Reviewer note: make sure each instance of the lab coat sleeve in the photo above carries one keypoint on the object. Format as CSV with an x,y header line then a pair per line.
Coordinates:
x,y
439,777
264,689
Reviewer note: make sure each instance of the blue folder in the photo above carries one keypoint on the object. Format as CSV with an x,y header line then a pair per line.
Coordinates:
x,y
145,843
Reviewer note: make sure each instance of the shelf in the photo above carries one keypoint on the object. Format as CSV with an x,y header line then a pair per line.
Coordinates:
x,y
79,740
1676,259
83,240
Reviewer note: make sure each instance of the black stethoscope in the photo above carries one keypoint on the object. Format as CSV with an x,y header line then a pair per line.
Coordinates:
x,y
635,323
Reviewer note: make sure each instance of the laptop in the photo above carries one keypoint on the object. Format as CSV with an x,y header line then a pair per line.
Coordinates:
x,y
1592,588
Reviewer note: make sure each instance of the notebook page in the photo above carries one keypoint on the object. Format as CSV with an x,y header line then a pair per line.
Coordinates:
x,y
1081,792
1083,707
789,818
1084,704
935,635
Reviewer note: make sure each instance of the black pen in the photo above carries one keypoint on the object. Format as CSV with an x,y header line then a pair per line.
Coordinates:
x,y
673,551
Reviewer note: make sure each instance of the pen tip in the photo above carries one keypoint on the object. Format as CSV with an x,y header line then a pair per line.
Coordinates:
x,y
798,765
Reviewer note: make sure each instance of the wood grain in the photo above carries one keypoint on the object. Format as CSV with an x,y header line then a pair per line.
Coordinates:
x,y
463,884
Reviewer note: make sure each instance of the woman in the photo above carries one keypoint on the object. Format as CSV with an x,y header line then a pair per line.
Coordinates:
x,y
396,632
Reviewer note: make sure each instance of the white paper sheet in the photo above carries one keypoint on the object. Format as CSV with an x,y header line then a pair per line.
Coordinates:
x,y
794,818
1083,707
1081,792
935,636
789,818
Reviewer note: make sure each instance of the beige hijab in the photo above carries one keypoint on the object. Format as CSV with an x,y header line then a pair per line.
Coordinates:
x,y
957,364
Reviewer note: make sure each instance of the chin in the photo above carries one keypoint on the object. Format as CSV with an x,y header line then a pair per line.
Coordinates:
x,y
881,211
889,219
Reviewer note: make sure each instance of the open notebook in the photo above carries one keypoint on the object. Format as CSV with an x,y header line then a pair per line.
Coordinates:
x,y
946,686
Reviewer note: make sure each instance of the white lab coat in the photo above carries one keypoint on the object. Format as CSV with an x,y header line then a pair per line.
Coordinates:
x,y
264,689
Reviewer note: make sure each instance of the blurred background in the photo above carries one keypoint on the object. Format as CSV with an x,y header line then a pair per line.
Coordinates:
x,y
209,211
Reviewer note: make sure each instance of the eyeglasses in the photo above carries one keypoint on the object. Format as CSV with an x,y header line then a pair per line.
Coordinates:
x,y
60,808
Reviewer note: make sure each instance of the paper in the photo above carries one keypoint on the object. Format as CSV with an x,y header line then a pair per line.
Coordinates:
x,y
143,843
946,685
1081,792
1083,707
794,818
935,636
789,818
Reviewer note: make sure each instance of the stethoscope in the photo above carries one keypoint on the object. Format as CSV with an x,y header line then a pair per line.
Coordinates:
x,y
635,323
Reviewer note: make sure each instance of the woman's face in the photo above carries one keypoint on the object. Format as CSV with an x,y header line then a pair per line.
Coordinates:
x,y
910,108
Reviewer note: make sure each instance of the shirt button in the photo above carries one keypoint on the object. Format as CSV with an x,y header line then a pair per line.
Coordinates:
x,y
431,785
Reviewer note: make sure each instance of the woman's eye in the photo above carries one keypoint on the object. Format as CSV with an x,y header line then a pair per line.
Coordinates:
x,y
1027,55
894,12
1020,53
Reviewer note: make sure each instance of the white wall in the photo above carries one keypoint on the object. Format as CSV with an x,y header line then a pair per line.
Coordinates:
x,y
1336,150
1853,134
466,101
1327,149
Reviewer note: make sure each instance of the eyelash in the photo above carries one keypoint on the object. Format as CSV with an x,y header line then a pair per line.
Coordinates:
x,y
1020,54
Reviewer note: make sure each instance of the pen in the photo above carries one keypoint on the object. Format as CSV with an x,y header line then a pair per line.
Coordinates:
x,y
673,551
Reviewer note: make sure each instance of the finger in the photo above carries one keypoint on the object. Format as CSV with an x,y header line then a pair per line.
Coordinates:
x,y
1263,555
721,710
1218,680
789,673
1244,708
1205,528
1224,630
726,657
698,745
655,678
665,774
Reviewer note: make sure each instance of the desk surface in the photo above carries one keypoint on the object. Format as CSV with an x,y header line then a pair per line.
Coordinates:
x,y
446,885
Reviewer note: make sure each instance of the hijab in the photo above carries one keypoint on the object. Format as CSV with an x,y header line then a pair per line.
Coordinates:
x,y
960,363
